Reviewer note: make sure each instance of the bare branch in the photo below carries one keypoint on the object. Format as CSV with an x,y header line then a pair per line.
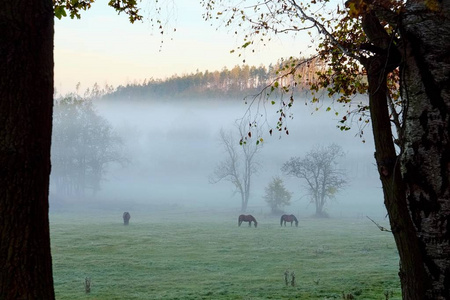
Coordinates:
x,y
238,166
379,226
318,170
322,29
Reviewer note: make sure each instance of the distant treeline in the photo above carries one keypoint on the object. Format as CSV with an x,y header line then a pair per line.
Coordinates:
x,y
240,81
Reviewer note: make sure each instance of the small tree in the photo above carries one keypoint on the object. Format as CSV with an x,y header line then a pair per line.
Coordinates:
x,y
277,196
238,166
318,169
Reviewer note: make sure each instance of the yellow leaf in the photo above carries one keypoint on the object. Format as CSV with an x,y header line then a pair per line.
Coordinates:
x,y
356,7
432,5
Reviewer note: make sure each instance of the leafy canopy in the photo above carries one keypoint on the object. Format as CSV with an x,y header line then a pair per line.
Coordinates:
x,y
344,36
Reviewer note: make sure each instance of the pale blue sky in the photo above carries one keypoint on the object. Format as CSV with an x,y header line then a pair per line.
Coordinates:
x,y
104,47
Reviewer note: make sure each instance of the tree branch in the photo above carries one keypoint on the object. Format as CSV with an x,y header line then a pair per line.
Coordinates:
x,y
379,226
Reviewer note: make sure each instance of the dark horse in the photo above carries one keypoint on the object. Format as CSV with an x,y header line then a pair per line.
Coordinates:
x,y
126,218
247,218
288,218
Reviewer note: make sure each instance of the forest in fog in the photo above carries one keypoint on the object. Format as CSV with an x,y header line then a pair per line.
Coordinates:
x,y
162,153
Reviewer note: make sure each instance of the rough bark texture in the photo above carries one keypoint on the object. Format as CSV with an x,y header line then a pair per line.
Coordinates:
x,y
411,269
26,100
416,185
426,158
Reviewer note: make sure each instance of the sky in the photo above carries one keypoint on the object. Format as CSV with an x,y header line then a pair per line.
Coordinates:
x,y
105,48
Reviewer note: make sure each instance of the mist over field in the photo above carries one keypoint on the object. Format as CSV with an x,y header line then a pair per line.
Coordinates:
x,y
183,240
174,146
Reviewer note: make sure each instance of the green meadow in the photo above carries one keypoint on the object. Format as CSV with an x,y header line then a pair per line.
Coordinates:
x,y
182,255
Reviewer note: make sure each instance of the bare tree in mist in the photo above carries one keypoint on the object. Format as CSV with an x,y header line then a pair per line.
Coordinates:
x,y
83,144
396,52
319,170
238,166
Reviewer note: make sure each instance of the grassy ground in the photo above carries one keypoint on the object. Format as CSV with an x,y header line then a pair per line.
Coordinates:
x,y
212,258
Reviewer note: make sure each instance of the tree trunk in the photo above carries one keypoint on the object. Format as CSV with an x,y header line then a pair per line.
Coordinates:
x,y
411,269
320,203
243,204
426,159
26,93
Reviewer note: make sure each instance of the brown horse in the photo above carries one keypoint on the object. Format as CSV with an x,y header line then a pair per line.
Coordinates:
x,y
126,218
247,218
288,218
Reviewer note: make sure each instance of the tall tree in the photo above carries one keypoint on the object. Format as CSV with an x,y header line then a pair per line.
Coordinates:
x,y
318,169
83,144
26,93
238,166
425,155
397,52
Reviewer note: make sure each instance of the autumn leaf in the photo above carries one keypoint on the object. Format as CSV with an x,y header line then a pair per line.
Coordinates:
x,y
356,7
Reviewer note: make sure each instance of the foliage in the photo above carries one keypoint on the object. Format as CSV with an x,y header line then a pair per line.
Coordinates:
x,y
83,144
322,179
238,166
343,48
74,8
395,51
276,195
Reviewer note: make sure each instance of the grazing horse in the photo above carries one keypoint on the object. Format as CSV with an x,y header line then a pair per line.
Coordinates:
x,y
247,218
288,218
126,218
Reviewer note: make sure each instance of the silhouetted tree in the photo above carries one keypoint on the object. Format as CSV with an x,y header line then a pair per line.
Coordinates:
x,y
83,144
238,166
396,51
26,93
321,177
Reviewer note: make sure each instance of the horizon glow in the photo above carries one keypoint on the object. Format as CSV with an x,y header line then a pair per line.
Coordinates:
x,y
105,48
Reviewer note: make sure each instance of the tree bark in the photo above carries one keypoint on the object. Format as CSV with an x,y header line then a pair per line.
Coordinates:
x,y
26,93
426,158
411,269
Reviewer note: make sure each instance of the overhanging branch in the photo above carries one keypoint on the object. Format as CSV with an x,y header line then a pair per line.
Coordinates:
x,y
379,226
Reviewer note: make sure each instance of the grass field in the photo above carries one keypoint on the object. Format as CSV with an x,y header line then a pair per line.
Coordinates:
x,y
210,257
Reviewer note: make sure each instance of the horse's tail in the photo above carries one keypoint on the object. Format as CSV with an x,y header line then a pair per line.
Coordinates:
x,y
281,220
